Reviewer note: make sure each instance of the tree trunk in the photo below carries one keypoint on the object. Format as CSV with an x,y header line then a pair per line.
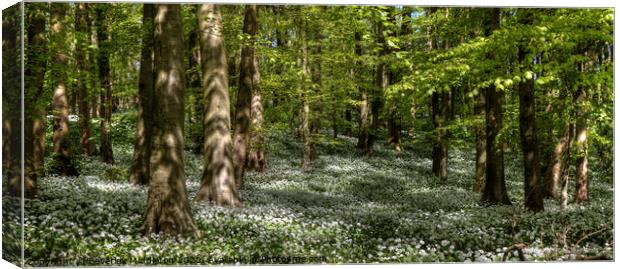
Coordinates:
x,y
381,83
581,145
481,145
62,163
194,84
34,116
348,118
218,178
529,143
168,210
256,156
315,70
11,90
566,167
243,111
495,183
362,137
107,155
440,104
139,170
82,29
556,164
308,147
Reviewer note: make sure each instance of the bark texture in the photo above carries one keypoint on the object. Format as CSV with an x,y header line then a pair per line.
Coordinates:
x,y
218,178
362,136
168,210
529,144
107,155
82,29
481,145
581,147
62,162
495,183
256,156
304,121
243,111
11,90
34,112
139,170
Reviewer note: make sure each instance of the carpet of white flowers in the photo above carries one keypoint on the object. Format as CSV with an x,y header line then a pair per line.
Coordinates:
x,y
348,208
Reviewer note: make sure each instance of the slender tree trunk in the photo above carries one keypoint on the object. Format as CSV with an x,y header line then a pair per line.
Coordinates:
x,y
256,156
362,137
82,29
381,83
243,111
317,106
62,163
218,178
529,143
139,170
348,118
581,145
440,102
554,170
308,147
495,184
481,145
107,155
168,210
566,167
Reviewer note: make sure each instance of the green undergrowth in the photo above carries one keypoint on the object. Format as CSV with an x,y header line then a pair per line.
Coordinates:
x,y
348,208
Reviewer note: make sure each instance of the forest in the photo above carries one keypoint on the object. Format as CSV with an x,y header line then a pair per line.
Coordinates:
x,y
193,134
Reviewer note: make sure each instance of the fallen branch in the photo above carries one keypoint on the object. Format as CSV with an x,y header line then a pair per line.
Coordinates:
x,y
519,247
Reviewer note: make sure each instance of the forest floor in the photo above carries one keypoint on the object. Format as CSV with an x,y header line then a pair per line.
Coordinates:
x,y
347,208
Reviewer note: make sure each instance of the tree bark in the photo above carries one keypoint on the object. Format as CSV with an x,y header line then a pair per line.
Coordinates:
x,y
168,210
529,143
11,90
315,70
62,163
381,83
218,178
194,84
554,170
495,184
481,145
107,155
243,113
308,147
139,170
34,116
581,146
256,156
565,167
348,118
362,137
82,29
